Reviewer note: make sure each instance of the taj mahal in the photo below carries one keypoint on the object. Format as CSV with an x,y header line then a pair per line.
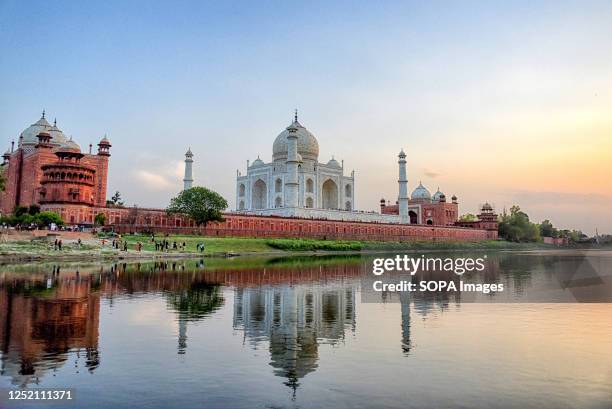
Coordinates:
x,y
295,178
296,184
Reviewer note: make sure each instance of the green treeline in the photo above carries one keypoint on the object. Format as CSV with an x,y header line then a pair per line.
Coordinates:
x,y
516,226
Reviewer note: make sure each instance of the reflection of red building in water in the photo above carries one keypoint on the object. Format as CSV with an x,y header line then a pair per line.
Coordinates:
x,y
40,325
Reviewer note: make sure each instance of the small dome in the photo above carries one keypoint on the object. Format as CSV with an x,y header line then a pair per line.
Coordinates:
x,y
70,145
57,136
307,144
487,207
30,135
438,195
105,141
421,193
402,154
257,162
454,198
333,163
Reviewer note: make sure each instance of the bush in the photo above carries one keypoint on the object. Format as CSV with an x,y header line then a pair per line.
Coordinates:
x,y
314,245
44,219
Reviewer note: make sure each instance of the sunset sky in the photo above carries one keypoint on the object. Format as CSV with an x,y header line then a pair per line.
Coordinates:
x,y
510,104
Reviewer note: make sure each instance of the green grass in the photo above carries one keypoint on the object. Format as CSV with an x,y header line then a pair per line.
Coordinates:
x,y
333,245
229,245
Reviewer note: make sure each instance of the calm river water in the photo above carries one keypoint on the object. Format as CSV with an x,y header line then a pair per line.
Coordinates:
x,y
285,333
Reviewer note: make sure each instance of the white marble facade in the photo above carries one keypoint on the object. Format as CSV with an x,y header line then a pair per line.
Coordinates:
x,y
269,188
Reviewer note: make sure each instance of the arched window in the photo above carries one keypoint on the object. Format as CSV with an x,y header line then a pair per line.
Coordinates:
x,y
309,186
347,205
241,205
413,217
348,191
330,195
309,202
429,221
241,190
278,186
278,202
259,196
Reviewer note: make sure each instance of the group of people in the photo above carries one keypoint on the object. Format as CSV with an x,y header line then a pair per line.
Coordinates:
x,y
164,245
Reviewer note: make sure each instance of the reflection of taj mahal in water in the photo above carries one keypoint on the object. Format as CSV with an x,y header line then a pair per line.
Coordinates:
x,y
295,320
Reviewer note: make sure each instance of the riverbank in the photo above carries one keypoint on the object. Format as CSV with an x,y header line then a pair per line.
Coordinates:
x,y
19,248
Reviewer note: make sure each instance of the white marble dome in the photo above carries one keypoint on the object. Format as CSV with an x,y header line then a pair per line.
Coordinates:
x,y
438,195
333,163
70,145
307,144
421,193
30,135
257,163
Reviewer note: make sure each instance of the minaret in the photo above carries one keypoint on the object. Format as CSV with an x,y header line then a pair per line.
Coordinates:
x,y
188,179
403,189
291,183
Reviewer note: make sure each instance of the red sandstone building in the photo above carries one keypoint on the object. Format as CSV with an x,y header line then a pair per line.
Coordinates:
x,y
50,170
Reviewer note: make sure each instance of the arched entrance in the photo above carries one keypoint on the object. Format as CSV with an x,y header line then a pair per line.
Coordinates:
x,y
330,194
260,195
413,217
429,221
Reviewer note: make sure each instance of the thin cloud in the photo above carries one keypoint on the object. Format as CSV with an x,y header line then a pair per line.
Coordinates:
x,y
153,181
430,173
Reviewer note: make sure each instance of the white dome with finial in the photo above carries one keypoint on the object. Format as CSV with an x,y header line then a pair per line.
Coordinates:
x,y
333,163
420,193
438,195
307,144
30,135
257,162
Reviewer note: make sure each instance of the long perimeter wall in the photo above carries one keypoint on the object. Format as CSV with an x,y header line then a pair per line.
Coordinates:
x,y
138,220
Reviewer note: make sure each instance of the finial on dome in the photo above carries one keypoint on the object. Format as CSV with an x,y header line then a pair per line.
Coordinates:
x,y
43,113
295,117
55,122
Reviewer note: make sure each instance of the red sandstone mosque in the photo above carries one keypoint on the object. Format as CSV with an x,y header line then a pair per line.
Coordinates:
x,y
50,170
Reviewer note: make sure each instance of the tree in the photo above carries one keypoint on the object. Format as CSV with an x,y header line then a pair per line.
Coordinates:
x,y
2,181
200,204
548,230
115,200
468,217
517,227
100,219
20,211
34,209
46,218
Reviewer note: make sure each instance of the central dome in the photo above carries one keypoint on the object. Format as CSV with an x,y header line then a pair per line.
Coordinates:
x,y
307,144
30,135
